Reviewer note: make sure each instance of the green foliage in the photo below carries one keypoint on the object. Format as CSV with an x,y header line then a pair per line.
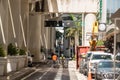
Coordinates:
x,y
58,34
12,50
100,43
2,52
72,31
22,52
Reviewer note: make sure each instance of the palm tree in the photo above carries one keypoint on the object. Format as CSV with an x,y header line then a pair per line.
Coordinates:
x,y
74,33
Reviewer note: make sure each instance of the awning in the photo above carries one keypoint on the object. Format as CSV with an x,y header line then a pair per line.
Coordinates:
x,y
111,33
116,16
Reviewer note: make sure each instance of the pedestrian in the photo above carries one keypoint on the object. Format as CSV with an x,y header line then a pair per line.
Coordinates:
x,y
54,59
62,58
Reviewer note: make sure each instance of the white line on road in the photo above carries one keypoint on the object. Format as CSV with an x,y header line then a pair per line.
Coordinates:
x,y
45,73
59,74
30,74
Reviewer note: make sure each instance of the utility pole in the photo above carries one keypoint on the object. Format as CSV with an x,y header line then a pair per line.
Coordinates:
x,y
115,38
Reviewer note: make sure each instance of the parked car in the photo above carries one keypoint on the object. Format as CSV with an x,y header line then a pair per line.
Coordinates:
x,y
95,57
118,78
88,54
117,57
105,70
83,63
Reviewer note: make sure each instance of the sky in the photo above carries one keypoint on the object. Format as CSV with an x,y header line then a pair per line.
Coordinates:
x,y
60,29
113,5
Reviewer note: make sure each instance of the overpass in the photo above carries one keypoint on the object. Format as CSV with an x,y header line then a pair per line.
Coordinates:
x,y
22,22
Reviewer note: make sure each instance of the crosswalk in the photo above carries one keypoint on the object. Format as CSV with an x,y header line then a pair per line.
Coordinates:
x,y
72,72
59,74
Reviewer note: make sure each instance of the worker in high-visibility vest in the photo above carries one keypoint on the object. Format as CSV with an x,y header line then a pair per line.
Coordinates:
x,y
93,44
62,60
54,58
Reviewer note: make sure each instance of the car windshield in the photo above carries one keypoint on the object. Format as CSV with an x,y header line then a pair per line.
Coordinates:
x,y
118,57
117,65
108,64
105,65
107,57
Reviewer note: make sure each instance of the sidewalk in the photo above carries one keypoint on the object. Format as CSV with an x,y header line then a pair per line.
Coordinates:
x,y
72,66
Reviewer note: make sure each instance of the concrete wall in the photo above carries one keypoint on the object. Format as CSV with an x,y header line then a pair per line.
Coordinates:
x,y
11,21
4,22
18,14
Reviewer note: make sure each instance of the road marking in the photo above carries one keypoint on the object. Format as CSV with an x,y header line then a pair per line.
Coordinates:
x,y
30,74
45,73
59,74
71,70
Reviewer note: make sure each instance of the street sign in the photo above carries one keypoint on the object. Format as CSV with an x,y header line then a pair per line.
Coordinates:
x,y
53,23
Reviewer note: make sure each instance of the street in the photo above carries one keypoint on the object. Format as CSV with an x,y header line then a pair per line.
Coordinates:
x,y
45,72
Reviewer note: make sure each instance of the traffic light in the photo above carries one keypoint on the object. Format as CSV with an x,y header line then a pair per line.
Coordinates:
x,y
95,27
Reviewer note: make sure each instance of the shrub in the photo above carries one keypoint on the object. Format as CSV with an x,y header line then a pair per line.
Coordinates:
x,y
12,50
2,52
22,52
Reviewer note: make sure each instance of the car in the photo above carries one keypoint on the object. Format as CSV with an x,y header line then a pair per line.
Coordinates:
x,y
105,70
88,54
94,58
118,78
83,63
117,57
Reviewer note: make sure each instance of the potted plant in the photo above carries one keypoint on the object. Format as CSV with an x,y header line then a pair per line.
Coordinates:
x,y
22,52
3,60
12,50
13,57
2,52
22,59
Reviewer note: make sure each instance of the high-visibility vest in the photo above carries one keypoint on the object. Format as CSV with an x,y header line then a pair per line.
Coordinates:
x,y
62,57
54,57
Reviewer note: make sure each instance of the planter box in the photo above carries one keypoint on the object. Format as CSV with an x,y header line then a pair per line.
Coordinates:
x,y
22,61
3,65
12,63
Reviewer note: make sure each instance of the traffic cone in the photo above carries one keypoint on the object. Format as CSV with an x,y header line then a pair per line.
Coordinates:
x,y
89,74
